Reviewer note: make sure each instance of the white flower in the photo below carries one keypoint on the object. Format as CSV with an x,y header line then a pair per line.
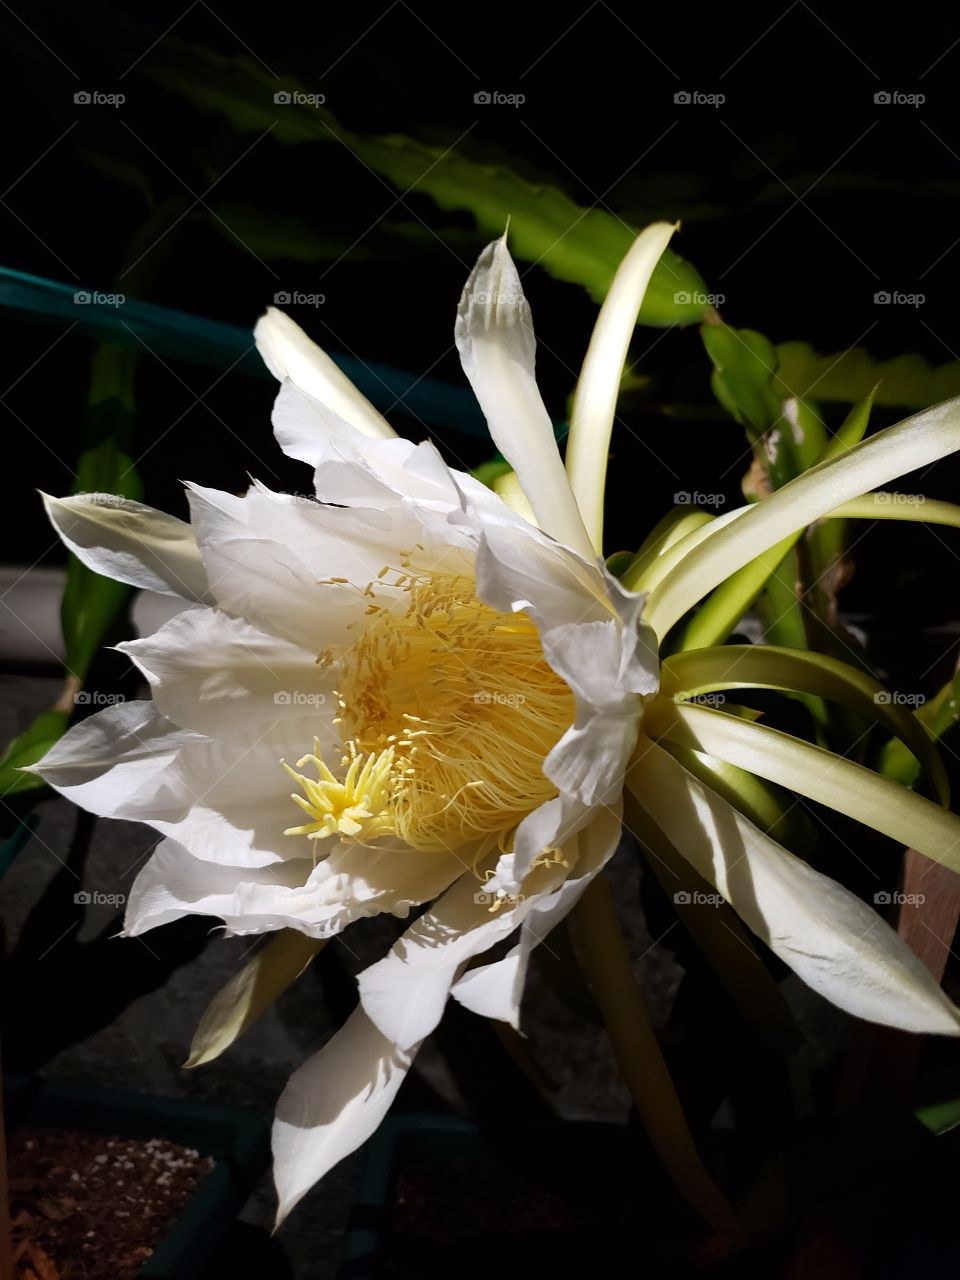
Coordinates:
x,y
405,692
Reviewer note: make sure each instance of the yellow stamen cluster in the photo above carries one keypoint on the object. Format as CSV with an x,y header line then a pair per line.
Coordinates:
x,y
451,709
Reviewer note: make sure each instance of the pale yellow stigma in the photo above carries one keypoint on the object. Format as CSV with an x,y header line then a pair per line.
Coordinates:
x,y
351,807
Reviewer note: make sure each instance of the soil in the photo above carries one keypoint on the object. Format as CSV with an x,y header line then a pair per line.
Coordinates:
x,y
482,1199
88,1206
471,1221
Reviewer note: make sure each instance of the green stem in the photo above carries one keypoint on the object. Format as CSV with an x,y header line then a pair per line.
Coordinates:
x,y
606,965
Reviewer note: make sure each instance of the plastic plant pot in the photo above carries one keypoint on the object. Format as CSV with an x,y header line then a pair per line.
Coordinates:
x,y
587,1159
401,1139
237,1141
11,845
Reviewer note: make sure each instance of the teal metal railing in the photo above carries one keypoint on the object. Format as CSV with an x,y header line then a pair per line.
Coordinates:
x,y
177,335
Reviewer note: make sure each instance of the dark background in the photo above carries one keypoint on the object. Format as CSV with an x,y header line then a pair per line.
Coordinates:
x,y
801,197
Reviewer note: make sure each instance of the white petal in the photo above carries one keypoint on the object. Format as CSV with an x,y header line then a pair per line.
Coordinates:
x,y
349,541
261,577
215,515
519,567
332,1104
595,401
494,335
173,884
832,940
350,883
289,353
220,675
227,801
111,763
354,469
552,825
404,994
589,760
272,558
495,990
592,636
131,543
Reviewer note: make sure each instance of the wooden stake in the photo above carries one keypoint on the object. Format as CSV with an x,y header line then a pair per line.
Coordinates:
x,y
883,1061
6,1240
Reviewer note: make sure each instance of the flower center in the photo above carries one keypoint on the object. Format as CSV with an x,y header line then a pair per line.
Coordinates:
x,y
447,709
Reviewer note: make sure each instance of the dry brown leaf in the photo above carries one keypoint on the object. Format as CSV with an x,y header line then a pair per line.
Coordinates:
x,y
33,1263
